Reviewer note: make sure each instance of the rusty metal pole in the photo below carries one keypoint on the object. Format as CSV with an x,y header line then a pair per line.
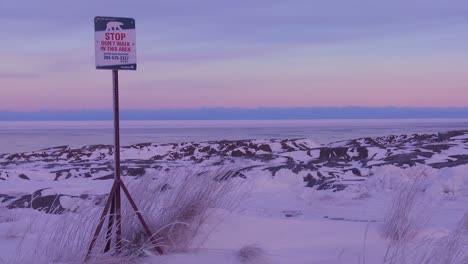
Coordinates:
x,y
118,218
113,204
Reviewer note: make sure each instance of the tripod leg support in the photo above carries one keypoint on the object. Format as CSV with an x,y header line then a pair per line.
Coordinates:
x,y
142,220
101,221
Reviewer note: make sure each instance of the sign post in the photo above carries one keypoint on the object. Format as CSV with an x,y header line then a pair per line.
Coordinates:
x,y
115,49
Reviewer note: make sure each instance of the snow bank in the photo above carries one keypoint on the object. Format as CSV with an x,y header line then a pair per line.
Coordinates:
x,y
442,183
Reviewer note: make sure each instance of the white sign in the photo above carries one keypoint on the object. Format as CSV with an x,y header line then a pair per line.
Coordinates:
x,y
115,43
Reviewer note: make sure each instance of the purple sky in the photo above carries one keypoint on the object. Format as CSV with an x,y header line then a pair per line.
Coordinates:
x,y
255,53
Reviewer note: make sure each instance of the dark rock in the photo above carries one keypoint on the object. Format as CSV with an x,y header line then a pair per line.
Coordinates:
x,y
292,213
188,151
410,159
106,177
157,157
363,153
140,145
460,160
286,147
421,137
133,172
48,203
237,153
332,154
323,183
5,198
3,176
437,148
265,147
356,171
448,135
24,177
333,161
205,149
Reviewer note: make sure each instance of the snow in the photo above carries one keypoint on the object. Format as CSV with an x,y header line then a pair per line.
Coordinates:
x,y
70,187
461,137
437,184
330,226
284,238
291,223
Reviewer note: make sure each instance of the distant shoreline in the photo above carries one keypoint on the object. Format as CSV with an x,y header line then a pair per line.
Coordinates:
x,y
238,120
22,136
271,113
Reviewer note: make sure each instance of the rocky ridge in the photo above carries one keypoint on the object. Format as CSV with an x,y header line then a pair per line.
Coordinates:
x,y
333,166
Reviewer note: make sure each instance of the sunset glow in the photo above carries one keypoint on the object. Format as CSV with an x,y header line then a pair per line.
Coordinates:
x,y
279,54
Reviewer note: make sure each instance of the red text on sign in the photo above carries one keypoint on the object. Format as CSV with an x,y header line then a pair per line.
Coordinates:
x,y
115,36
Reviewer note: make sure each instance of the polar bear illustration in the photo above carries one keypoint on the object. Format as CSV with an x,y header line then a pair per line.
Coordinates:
x,y
114,25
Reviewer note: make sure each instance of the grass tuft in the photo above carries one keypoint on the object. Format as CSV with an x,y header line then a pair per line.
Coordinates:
x,y
175,209
252,254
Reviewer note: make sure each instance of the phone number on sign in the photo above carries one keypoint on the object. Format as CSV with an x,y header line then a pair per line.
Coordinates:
x,y
116,57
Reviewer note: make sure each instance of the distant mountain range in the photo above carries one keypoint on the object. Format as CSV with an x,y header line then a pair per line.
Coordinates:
x,y
263,113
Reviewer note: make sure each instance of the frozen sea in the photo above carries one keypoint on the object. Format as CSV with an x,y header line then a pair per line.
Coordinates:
x,y
34,135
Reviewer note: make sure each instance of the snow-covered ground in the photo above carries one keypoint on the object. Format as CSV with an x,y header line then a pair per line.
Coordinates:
x,y
305,203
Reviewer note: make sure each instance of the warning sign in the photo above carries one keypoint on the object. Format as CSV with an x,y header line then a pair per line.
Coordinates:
x,y
115,44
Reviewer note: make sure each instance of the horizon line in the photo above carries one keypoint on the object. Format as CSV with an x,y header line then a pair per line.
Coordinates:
x,y
224,113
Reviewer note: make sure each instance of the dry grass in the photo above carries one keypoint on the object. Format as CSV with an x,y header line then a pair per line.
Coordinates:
x,y
57,238
175,209
7,215
450,249
405,219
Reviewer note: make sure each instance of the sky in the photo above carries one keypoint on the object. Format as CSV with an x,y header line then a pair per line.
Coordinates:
x,y
243,54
